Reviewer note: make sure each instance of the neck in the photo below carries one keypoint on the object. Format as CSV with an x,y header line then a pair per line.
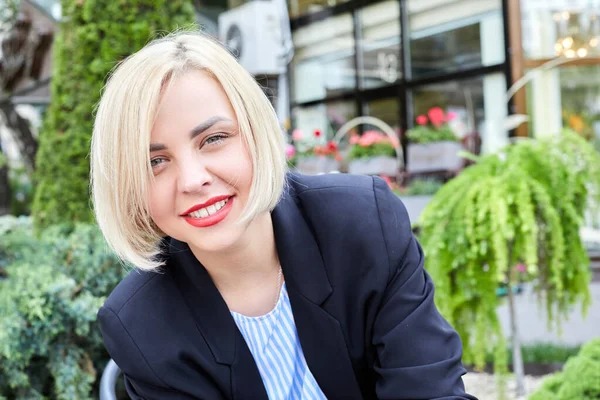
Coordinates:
x,y
251,262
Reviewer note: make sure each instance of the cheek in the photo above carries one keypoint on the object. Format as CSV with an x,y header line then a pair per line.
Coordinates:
x,y
159,201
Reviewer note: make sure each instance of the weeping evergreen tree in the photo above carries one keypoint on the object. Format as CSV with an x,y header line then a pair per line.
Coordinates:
x,y
94,35
523,206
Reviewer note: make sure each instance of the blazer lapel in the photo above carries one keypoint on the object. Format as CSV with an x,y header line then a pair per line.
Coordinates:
x,y
215,323
320,334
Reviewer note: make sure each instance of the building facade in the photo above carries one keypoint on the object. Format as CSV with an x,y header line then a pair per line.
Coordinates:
x,y
395,60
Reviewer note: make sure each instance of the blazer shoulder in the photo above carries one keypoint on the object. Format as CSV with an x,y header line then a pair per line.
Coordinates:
x,y
131,286
361,204
299,184
345,194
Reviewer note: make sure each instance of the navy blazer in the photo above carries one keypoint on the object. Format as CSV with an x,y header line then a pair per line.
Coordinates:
x,y
362,303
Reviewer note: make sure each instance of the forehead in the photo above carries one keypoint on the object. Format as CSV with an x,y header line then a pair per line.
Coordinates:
x,y
188,100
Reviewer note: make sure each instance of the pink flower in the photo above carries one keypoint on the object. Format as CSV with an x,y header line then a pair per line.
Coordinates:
x,y
421,120
451,116
437,116
290,151
317,133
370,137
297,135
521,267
354,138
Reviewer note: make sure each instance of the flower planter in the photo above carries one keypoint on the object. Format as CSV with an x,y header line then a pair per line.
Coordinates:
x,y
315,165
380,165
436,156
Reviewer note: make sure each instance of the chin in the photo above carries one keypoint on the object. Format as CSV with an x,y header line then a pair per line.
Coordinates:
x,y
213,245
216,241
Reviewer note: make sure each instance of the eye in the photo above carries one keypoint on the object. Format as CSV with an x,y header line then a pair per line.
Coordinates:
x,y
156,161
215,139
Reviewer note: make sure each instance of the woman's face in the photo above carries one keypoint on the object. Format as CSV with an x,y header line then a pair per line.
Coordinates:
x,y
202,169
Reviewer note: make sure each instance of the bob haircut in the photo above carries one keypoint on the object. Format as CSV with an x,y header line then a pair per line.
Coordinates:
x,y
120,160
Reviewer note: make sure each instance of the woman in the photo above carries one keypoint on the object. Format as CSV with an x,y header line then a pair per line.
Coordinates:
x,y
250,283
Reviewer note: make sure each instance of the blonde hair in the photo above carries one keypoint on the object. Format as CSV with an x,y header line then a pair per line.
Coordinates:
x,y
120,167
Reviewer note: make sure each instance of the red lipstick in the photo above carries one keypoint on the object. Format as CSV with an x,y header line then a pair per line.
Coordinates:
x,y
212,219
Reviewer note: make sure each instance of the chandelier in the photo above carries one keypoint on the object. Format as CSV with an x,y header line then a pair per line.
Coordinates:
x,y
578,33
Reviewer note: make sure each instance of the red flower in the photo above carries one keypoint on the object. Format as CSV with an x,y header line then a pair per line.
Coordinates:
x,y
437,116
317,133
332,147
421,120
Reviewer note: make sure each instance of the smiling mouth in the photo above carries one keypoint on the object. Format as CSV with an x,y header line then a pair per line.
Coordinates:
x,y
209,210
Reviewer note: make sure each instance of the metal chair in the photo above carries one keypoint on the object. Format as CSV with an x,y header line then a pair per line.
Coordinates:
x,y
108,382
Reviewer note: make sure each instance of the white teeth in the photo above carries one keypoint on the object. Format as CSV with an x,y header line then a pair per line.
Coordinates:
x,y
210,210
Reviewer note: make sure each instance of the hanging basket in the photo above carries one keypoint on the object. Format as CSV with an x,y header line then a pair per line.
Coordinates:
x,y
378,165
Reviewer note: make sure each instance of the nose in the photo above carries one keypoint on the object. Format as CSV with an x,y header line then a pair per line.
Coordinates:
x,y
193,176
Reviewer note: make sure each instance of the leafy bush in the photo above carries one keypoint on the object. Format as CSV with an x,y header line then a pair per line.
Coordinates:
x,y
541,353
524,205
546,353
50,345
420,187
579,379
94,35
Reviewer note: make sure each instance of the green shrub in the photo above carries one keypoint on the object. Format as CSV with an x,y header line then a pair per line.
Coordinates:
x,y
50,346
545,353
579,380
419,187
523,205
540,353
94,35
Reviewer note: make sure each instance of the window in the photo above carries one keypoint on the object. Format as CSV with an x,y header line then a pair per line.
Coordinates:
x,y
447,35
550,31
566,97
323,63
326,117
474,102
379,46
386,110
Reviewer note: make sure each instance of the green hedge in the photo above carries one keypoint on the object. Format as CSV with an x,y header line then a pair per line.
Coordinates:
x,y
93,36
50,291
579,380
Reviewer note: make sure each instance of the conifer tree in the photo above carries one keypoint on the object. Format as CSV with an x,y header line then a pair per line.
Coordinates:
x,y
94,35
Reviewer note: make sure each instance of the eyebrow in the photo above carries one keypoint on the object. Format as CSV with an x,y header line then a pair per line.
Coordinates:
x,y
203,126
207,124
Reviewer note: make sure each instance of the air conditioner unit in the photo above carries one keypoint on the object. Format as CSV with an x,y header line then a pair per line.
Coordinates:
x,y
252,32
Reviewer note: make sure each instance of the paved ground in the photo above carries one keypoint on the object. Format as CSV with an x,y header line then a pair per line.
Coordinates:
x,y
483,386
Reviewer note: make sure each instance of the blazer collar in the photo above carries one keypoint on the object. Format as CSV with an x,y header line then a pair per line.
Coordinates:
x,y
300,260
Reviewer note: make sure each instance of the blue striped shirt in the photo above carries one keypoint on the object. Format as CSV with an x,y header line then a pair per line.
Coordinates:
x,y
273,341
